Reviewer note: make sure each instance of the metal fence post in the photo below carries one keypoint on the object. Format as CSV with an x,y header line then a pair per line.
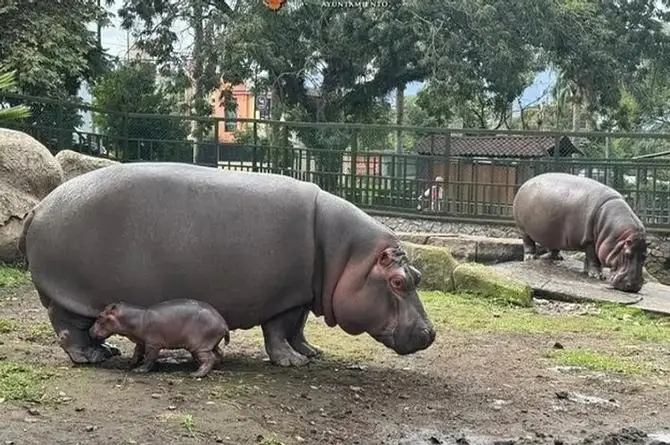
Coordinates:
x,y
254,149
354,164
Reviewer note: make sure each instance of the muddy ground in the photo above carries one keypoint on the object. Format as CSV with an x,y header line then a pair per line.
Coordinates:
x,y
557,373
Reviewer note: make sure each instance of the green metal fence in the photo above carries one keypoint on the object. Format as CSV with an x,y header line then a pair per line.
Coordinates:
x,y
439,173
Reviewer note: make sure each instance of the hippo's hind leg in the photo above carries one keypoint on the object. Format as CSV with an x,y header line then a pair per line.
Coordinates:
x,y
592,266
72,332
529,248
283,333
207,359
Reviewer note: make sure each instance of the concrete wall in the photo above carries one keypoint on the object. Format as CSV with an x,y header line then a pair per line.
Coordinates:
x,y
658,259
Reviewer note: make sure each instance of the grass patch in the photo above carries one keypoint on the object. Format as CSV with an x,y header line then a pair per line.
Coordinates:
x,y
12,276
472,314
19,381
39,332
7,326
188,423
596,361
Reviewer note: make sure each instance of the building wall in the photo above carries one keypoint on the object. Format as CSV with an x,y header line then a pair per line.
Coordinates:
x,y
245,110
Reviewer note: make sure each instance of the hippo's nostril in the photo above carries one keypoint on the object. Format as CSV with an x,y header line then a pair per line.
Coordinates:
x,y
429,333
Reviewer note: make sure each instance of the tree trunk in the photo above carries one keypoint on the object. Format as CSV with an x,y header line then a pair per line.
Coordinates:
x,y
198,63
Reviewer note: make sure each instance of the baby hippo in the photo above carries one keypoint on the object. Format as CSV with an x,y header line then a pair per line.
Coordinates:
x,y
175,324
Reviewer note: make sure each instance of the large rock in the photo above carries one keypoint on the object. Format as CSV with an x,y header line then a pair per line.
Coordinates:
x,y
75,164
479,249
28,173
483,281
435,263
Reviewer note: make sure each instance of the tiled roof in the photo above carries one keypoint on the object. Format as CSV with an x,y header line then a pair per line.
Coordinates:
x,y
496,146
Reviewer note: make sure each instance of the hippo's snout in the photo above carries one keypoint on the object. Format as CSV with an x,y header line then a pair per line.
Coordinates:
x,y
626,283
418,338
627,286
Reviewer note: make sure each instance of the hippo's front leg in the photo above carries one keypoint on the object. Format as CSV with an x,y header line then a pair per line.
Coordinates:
x,y
72,332
552,255
150,357
592,266
297,338
138,355
277,333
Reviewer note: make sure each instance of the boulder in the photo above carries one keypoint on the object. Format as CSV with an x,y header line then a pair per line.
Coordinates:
x,y
75,164
435,263
415,237
479,249
29,173
485,282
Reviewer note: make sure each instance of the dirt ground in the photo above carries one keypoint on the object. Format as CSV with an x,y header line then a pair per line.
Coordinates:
x,y
475,385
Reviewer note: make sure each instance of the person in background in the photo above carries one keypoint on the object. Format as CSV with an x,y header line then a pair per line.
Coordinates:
x,y
436,195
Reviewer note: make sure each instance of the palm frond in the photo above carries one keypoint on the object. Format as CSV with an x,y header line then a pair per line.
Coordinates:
x,y
7,82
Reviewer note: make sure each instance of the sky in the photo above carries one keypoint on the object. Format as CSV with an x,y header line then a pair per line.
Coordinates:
x,y
117,41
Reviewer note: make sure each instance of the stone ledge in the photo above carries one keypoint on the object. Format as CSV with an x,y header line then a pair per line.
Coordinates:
x,y
483,281
441,272
473,248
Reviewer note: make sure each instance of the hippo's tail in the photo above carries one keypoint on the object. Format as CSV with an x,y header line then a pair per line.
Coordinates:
x,y
226,337
21,244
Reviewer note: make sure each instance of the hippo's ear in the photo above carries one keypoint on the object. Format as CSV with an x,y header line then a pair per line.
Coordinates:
x,y
110,309
386,257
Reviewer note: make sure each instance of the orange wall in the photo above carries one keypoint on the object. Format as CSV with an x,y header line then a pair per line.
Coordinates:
x,y
245,109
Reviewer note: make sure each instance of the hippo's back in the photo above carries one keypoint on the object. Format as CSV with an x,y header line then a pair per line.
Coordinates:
x,y
557,209
150,232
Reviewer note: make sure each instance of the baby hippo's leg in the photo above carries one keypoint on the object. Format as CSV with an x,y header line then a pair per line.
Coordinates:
x,y
138,355
207,360
150,357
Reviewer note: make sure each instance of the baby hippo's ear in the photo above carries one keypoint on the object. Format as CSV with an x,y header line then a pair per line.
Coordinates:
x,y
111,309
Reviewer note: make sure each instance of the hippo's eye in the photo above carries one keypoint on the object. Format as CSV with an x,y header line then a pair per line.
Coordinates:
x,y
398,283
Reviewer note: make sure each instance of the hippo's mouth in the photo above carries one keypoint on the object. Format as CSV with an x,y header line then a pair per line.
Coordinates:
x,y
385,338
618,281
389,340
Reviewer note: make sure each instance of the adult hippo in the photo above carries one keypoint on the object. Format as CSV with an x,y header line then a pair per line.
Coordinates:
x,y
561,211
262,249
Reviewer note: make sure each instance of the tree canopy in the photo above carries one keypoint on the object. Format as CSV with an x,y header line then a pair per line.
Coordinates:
x,y
320,63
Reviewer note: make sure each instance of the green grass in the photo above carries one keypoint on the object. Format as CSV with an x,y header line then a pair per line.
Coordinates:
x,y
7,326
12,276
595,360
22,382
36,332
39,332
188,423
472,314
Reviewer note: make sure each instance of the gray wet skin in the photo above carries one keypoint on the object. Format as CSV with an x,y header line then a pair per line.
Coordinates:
x,y
561,211
262,249
175,324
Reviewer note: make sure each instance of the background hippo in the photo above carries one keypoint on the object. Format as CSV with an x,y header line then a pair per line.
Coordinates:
x,y
262,249
561,211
